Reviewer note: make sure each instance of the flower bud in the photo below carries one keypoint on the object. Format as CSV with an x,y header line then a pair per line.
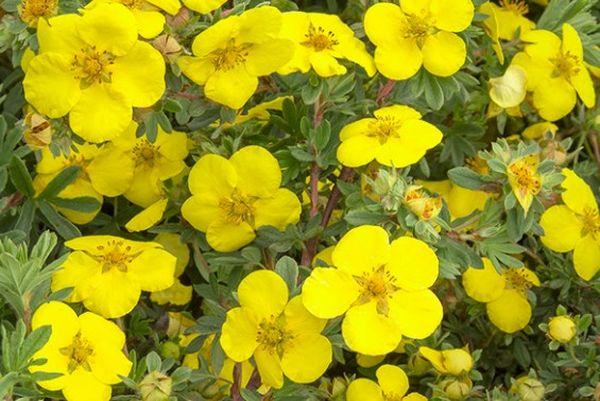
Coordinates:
x,y
528,389
38,132
417,365
155,386
457,361
457,389
167,45
561,329
169,349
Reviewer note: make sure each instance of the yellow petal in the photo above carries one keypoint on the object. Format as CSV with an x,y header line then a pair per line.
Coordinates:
x,y
177,294
114,295
170,6
83,386
265,58
306,357
357,128
149,23
483,285
381,23
264,178
509,89
398,60
398,112
223,236
148,217
146,187
415,137
554,99
59,35
539,130
278,211
413,264
367,331
264,292
583,84
201,212
50,85
238,334
153,269
110,171
109,17
393,380
232,88
195,68
511,312
56,362
562,228
586,257
452,16
203,6
79,272
328,293
578,195
364,389
444,53
299,320
212,174
358,150
362,249
144,89
269,367
61,318
571,43
417,314
173,244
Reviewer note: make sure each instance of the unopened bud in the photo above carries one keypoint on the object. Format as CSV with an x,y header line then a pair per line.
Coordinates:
x,y
562,329
156,386
457,389
528,389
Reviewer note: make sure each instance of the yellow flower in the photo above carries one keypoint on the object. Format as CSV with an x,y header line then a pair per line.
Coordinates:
x,y
539,130
283,336
418,32
555,72
203,6
85,350
154,162
524,179
260,112
392,385
461,201
31,11
89,67
396,137
148,217
508,91
423,205
102,172
505,295
232,198
510,17
562,329
230,55
575,225
109,273
320,40
381,288
455,362
177,294
149,20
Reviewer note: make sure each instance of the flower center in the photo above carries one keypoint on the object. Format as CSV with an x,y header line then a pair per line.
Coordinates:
x,y
384,128
526,178
272,334
78,353
92,66
145,153
591,222
238,208
115,255
566,65
319,39
518,7
229,57
377,285
417,28
517,279
31,10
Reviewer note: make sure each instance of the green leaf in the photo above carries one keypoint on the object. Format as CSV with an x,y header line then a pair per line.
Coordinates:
x,y
466,178
434,94
20,177
287,268
26,216
84,204
60,182
34,342
63,227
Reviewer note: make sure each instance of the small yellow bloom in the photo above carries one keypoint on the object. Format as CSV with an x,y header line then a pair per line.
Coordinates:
x,y
102,172
31,11
320,40
555,72
524,179
109,273
381,288
230,55
38,131
86,350
396,137
509,91
283,336
424,206
177,294
418,33
392,384
510,17
455,362
505,295
154,162
232,198
456,389
562,329
461,201
88,67
575,225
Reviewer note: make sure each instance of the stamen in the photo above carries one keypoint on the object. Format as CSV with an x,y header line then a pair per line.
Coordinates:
x,y
319,39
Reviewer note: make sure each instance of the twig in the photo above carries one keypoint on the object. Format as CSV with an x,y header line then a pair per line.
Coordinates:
x,y
385,91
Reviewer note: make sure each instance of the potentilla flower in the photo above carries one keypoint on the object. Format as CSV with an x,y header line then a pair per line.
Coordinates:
x,y
86,350
418,33
382,290
31,11
508,91
392,384
321,40
103,171
88,67
109,273
283,337
504,295
230,55
150,20
233,197
525,180
510,17
396,136
556,73
455,361
575,225
154,162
